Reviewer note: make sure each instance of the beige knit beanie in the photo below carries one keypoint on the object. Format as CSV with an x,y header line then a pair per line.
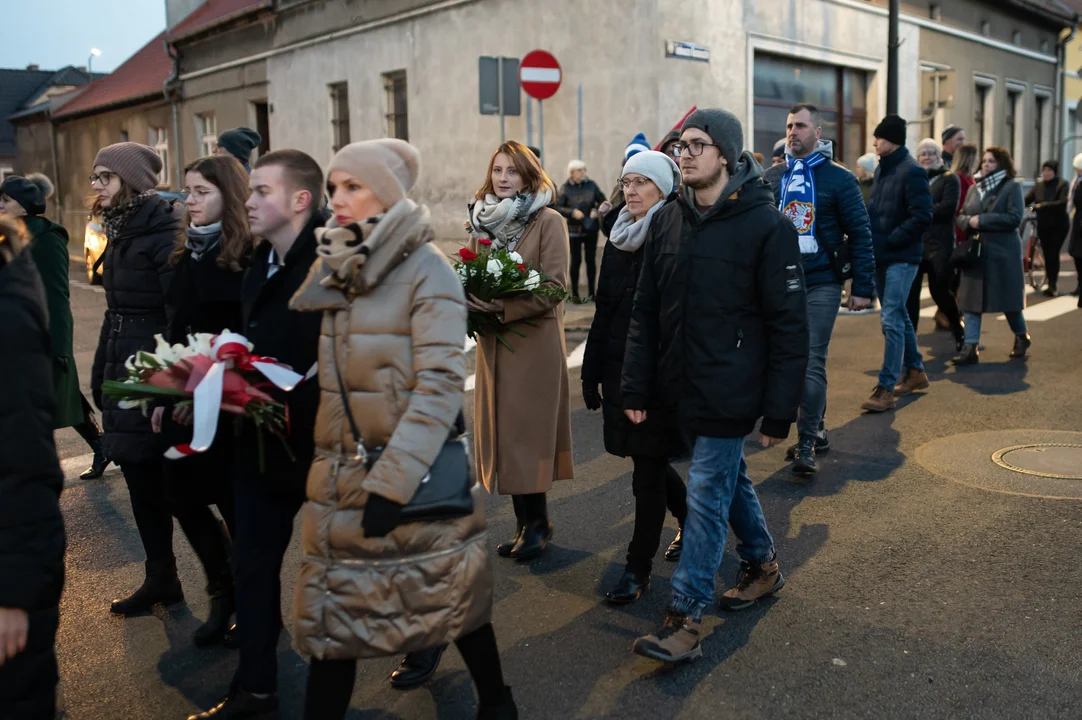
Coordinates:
x,y
138,165
388,167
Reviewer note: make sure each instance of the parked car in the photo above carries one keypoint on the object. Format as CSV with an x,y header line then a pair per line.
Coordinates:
x,y
94,239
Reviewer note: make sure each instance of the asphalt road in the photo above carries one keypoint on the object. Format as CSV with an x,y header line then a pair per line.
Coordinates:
x,y
911,593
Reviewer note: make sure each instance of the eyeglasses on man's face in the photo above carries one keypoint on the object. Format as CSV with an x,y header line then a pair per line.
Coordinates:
x,y
694,148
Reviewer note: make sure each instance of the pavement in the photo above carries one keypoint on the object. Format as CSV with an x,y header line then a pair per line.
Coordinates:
x,y
921,584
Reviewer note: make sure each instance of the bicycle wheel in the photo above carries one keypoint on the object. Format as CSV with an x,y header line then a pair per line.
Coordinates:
x,y
1037,272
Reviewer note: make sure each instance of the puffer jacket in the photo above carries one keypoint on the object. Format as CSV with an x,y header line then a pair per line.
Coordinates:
x,y
136,276
396,323
585,196
900,210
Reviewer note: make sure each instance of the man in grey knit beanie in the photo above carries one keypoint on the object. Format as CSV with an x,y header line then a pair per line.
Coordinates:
x,y
723,128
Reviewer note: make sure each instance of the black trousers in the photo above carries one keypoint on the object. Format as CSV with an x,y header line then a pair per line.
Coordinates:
x,y
330,682
192,485
153,516
1052,244
657,487
579,244
939,273
264,526
28,680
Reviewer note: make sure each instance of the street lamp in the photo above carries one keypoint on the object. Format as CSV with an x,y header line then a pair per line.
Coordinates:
x,y
94,52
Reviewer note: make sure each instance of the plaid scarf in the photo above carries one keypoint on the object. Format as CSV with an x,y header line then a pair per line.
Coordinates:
x,y
115,218
989,183
504,221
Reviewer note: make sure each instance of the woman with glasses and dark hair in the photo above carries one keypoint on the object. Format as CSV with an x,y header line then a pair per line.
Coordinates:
x,y
1049,198
647,180
209,255
993,211
140,229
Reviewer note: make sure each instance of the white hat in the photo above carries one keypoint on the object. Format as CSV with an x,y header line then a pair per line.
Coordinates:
x,y
657,167
1077,162
867,161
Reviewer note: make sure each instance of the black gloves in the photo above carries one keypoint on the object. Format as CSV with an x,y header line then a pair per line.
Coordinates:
x,y
592,395
380,516
61,363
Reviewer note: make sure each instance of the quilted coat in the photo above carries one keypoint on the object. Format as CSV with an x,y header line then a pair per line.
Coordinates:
x,y
397,326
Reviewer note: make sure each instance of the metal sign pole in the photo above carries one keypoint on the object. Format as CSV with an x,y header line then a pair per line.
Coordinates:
x,y
541,129
499,94
529,120
580,122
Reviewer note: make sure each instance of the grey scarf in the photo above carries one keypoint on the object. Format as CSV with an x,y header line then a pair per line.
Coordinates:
x,y
504,221
629,234
202,238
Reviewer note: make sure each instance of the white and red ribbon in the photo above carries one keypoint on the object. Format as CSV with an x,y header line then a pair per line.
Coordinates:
x,y
229,351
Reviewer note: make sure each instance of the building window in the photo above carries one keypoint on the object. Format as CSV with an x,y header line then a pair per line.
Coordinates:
x,y
1039,117
1016,37
123,136
206,129
340,115
839,93
982,113
394,83
6,172
986,28
159,140
1044,46
935,12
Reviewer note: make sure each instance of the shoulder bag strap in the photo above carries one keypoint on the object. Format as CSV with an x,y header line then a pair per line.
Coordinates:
x,y
345,395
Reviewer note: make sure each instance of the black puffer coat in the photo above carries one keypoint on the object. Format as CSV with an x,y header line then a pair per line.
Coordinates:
x,y
31,528
136,274
939,237
604,361
585,196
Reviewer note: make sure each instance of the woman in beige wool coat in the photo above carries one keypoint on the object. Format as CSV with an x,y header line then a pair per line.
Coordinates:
x,y
393,323
522,407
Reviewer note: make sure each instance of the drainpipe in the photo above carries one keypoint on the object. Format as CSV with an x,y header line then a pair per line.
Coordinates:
x,y
57,205
171,88
1061,89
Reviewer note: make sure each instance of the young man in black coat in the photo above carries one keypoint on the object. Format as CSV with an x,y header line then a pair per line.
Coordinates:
x,y
719,328
268,484
900,211
31,528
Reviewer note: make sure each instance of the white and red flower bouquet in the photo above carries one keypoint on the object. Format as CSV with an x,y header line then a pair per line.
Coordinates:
x,y
490,275
213,373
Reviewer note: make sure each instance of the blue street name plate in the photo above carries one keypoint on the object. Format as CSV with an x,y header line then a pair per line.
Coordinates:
x,y
686,51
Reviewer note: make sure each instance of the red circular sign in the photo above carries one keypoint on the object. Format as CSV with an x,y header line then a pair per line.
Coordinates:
x,y
540,75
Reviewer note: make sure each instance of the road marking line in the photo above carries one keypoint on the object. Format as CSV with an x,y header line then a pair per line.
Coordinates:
x,y
1049,309
574,360
86,286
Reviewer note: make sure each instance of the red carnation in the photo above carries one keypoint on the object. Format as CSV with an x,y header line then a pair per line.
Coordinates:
x,y
467,255
521,268
484,241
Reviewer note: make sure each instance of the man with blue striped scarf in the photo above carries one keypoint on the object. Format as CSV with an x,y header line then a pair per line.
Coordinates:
x,y
824,203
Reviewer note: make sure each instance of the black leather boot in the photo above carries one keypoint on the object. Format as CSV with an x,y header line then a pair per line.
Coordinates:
x,y
676,547
416,668
160,586
506,710
1021,345
504,549
91,433
628,588
214,548
242,705
533,541
223,604
968,356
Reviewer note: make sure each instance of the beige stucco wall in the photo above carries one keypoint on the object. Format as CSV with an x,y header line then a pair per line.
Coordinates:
x,y
628,84
229,95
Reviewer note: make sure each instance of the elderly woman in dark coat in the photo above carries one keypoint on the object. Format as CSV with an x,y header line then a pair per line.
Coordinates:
x,y
647,179
24,197
1049,199
993,210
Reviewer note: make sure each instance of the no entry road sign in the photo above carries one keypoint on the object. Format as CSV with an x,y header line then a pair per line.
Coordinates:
x,y
540,75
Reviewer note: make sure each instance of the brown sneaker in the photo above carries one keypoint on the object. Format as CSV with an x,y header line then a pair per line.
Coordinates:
x,y
757,580
914,380
677,641
882,399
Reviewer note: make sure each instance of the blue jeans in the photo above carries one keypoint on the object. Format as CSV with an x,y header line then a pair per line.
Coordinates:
x,y
823,304
973,326
900,351
720,494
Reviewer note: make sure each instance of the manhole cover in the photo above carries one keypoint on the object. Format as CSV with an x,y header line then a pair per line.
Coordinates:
x,y
1053,460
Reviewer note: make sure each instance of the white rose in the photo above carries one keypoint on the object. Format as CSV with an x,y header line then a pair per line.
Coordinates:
x,y
515,257
533,280
493,267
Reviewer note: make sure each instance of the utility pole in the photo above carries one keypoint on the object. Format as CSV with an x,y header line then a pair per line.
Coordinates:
x,y
892,59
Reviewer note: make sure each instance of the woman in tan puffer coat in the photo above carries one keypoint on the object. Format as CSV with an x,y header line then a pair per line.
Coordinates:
x,y
394,318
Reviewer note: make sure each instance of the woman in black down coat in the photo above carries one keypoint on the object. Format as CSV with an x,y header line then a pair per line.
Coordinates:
x,y
31,528
140,228
647,179
210,252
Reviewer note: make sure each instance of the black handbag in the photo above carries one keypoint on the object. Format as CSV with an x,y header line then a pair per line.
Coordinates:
x,y
445,491
968,254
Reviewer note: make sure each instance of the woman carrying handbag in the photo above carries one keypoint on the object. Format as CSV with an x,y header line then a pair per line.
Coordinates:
x,y
392,561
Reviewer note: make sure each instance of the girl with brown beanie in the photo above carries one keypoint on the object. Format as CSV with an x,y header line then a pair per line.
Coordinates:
x,y
140,229
522,406
209,255
392,372
25,197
